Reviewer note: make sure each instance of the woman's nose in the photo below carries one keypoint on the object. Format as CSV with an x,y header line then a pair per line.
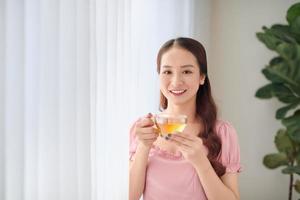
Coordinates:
x,y
176,80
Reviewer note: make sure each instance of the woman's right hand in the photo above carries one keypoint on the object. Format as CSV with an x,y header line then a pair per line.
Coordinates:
x,y
145,131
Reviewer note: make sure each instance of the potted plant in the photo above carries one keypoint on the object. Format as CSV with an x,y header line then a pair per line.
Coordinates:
x,y
283,74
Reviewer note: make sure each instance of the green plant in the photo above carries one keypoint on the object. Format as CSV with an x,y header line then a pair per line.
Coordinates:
x,y
283,74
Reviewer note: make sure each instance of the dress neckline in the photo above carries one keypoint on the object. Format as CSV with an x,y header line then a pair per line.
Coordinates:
x,y
166,154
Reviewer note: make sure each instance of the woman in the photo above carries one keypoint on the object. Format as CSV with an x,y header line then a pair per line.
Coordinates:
x,y
203,161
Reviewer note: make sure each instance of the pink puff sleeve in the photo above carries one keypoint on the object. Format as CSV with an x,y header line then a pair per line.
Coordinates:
x,y
132,141
230,152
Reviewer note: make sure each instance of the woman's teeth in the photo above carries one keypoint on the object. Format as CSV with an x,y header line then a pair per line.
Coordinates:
x,y
177,92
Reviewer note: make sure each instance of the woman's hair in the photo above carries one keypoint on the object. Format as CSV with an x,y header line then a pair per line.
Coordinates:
x,y
205,106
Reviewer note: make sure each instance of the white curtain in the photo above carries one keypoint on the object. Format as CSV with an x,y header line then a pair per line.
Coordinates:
x,y
128,35
45,103
74,75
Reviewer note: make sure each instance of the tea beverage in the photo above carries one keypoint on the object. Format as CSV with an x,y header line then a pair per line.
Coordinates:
x,y
169,124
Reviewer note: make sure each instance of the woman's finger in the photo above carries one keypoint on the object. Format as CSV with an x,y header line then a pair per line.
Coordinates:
x,y
183,136
147,130
148,136
145,122
149,142
181,141
184,148
149,115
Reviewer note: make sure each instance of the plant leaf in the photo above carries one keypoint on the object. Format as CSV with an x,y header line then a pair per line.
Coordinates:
x,y
297,186
284,94
269,40
276,60
275,160
291,170
292,124
287,71
271,77
293,12
283,32
283,142
281,113
289,52
295,25
265,92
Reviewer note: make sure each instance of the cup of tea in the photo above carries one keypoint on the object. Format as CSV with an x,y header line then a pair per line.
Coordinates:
x,y
170,123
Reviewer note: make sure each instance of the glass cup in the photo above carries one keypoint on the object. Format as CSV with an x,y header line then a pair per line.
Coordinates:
x,y
170,123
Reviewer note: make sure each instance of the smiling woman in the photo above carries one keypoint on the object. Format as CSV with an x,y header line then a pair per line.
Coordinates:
x,y
202,161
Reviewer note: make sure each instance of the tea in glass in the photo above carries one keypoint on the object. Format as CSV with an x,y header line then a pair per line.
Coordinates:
x,y
169,123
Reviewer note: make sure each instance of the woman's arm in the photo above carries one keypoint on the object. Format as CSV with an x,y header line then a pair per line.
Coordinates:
x,y
225,188
137,172
146,134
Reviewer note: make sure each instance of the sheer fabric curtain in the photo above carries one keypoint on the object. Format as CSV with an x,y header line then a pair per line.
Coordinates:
x,y
74,75
45,114
128,35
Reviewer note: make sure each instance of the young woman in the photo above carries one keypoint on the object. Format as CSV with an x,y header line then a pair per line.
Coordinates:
x,y
203,161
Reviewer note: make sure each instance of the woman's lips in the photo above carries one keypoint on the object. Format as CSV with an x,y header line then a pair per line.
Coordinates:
x,y
177,92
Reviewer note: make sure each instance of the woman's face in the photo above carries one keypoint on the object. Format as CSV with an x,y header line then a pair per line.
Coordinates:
x,y
179,76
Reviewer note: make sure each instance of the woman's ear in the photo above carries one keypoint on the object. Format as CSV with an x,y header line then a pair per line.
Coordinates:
x,y
202,79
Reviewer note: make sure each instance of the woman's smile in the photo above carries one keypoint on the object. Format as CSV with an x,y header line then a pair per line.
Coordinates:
x,y
177,92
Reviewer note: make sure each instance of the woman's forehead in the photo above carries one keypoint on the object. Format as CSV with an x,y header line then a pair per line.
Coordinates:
x,y
178,57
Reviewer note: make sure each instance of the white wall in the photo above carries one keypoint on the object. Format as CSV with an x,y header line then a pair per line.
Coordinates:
x,y
235,64
202,23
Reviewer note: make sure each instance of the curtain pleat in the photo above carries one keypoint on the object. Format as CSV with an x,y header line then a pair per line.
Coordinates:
x,y
31,84
49,105
83,102
2,100
93,98
14,100
67,100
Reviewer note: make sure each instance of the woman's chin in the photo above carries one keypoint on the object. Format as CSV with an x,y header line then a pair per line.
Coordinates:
x,y
180,101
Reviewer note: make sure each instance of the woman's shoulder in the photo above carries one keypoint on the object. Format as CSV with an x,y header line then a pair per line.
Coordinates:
x,y
230,152
222,122
225,130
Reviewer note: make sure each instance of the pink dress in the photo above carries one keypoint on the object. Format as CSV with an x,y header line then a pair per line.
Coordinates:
x,y
170,176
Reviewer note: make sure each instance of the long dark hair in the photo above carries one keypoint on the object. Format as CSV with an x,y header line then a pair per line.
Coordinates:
x,y
205,106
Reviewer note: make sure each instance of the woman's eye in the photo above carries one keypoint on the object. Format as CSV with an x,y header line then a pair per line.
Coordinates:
x,y
187,72
166,72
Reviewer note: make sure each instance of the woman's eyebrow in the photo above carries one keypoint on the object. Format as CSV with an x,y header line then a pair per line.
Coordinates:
x,y
183,66
166,66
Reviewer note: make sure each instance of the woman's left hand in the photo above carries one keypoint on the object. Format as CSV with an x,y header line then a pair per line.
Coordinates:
x,y
191,147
